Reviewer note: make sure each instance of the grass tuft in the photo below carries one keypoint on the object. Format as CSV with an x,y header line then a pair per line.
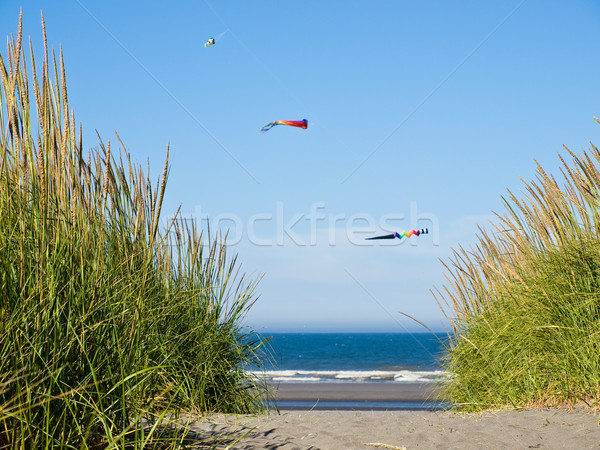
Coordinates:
x,y
524,303
107,322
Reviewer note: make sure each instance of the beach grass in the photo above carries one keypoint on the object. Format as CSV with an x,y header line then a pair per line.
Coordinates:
x,y
524,302
110,321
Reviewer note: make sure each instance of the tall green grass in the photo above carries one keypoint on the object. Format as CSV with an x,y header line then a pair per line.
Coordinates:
x,y
107,320
524,303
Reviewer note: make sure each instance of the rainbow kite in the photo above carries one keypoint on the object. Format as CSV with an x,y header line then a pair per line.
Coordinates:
x,y
401,235
292,123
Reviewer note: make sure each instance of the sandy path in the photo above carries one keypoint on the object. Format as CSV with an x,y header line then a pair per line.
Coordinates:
x,y
551,428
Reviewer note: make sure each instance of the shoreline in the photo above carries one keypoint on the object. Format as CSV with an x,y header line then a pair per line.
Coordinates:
x,y
356,396
372,392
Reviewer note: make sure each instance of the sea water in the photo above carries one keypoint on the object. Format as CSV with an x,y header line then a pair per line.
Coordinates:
x,y
355,358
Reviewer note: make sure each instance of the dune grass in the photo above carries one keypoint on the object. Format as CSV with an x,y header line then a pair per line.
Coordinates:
x,y
107,319
524,303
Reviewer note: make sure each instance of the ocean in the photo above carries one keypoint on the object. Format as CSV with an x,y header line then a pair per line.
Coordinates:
x,y
355,357
357,362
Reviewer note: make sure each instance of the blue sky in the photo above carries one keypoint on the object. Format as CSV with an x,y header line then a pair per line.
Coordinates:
x,y
421,114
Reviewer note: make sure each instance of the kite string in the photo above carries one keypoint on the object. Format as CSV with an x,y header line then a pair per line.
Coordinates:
x,y
428,96
323,125
220,35
392,316
164,88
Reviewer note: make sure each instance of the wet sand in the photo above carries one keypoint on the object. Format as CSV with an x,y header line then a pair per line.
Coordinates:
x,y
355,392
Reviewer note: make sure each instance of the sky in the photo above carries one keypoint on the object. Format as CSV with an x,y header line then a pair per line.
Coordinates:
x,y
420,115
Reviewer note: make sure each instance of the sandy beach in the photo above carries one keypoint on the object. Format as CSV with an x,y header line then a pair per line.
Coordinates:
x,y
549,428
552,428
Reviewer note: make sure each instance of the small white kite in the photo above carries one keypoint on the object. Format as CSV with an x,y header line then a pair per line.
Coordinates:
x,y
212,40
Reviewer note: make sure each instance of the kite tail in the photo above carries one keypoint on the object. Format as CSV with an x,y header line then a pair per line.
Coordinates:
x,y
268,126
412,232
293,123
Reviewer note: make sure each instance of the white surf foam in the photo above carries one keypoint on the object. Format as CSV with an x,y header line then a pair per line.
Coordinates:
x,y
308,376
